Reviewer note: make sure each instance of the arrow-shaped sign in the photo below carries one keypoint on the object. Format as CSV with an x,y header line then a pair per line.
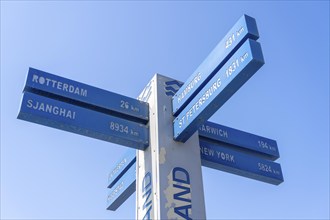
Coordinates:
x,y
241,140
234,73
245,28
80,94
79,120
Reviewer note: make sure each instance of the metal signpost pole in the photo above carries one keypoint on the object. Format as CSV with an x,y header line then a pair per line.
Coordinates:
x,y
169,178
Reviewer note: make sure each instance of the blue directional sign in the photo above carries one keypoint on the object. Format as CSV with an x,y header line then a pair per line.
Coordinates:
x,y
239,139
244,28
86,96
68,117
236,71
122,190
121,167
229,160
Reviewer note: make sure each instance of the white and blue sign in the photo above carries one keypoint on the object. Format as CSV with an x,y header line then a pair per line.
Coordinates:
x,y
218,156
122,190
243,141
244,28
72,118
86,96
121,167
236,71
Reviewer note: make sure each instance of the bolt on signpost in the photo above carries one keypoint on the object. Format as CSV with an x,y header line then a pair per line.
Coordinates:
x,y
166,128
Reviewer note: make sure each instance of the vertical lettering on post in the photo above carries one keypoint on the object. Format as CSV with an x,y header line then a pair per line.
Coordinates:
x,y
147,190
178,194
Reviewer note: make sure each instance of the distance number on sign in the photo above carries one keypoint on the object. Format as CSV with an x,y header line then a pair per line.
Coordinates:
x,y
119,127
114,126
268,169
128,106
231,39
265,167
234,65
265,145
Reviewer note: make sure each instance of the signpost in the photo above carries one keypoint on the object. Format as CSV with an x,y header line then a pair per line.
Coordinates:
x,y
168,126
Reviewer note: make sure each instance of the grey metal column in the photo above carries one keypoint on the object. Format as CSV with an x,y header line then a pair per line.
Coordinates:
x,y
169,178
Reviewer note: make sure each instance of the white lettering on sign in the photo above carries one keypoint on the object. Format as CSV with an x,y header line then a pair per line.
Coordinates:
x,y
51,109
59,85
265,145
126,105
214,131
115,191
206,151
118,127
264,167
207,94
189,87
219,154
212,89
117,168
233,37
233,66
114,126
226,157
147,192
268,169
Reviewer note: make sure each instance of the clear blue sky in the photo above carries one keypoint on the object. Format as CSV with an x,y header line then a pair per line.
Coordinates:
x,y
51,174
